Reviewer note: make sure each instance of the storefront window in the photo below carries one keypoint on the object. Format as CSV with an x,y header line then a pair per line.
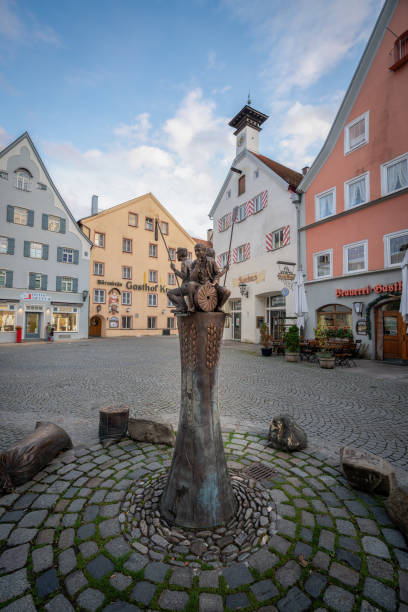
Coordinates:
x,y
7,320
334,315
65,322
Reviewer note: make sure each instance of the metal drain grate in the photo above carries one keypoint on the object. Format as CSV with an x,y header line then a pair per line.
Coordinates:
x,y
260,471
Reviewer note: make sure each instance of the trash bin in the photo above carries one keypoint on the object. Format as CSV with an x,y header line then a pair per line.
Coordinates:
x,y
19,332
166,332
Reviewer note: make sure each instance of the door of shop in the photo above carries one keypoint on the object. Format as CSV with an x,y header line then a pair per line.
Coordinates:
x,y
395,335
236,325
33,325
95,326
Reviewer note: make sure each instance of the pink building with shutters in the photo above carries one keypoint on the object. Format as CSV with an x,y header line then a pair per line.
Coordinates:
x,y
254,225
354,212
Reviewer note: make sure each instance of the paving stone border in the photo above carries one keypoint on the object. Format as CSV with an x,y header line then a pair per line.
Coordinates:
x,y
62,546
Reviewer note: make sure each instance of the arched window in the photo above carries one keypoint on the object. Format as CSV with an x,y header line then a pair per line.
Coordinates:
x,y
23,179
334,315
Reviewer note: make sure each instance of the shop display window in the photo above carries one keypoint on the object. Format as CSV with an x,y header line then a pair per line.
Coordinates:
x,y
7,320
65,321
334,316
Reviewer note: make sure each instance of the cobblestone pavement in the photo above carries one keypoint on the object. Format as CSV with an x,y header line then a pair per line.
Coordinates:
x,y
366,406
64,546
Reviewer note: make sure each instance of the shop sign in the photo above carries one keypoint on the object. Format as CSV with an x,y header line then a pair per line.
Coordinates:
x,y
146,287
35,296
361,327
378,288
255,277
114,322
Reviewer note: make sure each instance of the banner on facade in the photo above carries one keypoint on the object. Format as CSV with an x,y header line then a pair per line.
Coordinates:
x,y
35,296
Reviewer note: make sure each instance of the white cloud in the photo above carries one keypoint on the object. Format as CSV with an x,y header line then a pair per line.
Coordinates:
x,y
27,30
185,171
4,138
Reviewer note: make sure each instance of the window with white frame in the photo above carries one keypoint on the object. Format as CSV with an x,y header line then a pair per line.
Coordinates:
x,y
54,223
3,278
126,298
323,264
65,321
126,322
240,253
67,283
258,203
241,212
355,257
3,244
99,239
37,280
98,268
170,323
325,203
127,245
133,219
357,191
36,250
151,322
228,194
149,224
169,303
99,296
392,245
67,255
164,227
7,319
224,259
172,254
356,133
152,250
152,299
224,223
23,180
126,272
394,174
277,239
171,279
152,276
20,216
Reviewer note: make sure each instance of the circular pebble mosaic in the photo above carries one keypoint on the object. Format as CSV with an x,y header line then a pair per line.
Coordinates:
x,y
250,528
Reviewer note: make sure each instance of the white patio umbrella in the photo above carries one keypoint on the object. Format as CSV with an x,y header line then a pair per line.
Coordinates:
x,y
301,307
404,293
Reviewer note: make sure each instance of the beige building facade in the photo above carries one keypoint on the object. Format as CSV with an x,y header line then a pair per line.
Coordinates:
x,y
130,269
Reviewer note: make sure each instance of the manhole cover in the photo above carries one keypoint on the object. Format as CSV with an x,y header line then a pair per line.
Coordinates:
x,y
259,471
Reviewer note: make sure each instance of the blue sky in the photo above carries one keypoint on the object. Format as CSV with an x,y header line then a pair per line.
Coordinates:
x,y
130,96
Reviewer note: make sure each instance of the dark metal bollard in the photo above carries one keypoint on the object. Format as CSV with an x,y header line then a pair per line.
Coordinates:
x,y
113,422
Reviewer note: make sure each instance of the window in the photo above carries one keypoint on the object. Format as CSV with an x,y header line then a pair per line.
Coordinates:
x,y
54,223
241,185
99,239
151,322
400,51
126,298
7,320
98,268
152,250
172,254
152,276
170,322
228,194
114,322
126,272
3,278
67,255
170,303
333,316
394,174
171,279
356,133
189,256
277,239
3,244
393,243
42,187
133,219
325,203
36,250
149,224
275,301
20,216
223,259
241,212
256,173
127,245
357,191
36,281
323,264
355,257
67,284
126,322
3,175
23,180
224,223
152,299
258,204
164,227
99,296
65,321
240,251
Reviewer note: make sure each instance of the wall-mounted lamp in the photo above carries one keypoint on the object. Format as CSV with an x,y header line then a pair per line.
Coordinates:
x,y
236,170
358,308
243,289
85,295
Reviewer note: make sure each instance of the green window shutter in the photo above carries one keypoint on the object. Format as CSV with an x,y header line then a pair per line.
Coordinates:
x,y
10,247
9,278
44,282
58,284
31,280
44,251
76,257
44,225
27,248
59,253
10,214
63,225
30,218
75,285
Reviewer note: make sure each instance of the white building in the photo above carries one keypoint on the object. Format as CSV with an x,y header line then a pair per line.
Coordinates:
x,y
257,194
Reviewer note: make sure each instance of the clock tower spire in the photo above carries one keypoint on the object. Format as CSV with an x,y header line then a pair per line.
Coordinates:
x,y
247,124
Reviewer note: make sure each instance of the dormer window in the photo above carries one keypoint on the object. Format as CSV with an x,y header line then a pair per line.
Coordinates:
x,y
23,180
356,133
400,52
241,185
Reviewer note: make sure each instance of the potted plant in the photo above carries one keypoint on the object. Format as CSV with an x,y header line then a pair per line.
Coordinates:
x,y
326,358
292,343
266,338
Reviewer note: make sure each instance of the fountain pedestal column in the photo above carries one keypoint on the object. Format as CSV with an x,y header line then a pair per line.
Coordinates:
x,y
198,492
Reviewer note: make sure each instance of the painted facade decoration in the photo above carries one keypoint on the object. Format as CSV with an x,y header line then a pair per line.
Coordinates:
x,y
354,207
44,257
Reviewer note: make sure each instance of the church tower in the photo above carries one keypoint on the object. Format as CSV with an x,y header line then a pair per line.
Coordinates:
x,y
247,124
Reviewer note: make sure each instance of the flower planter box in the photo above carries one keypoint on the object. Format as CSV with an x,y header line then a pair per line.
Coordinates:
x,y
327,362
291,356
266,352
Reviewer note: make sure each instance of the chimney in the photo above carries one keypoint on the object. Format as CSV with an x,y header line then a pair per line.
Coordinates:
x,y
305,170
94,208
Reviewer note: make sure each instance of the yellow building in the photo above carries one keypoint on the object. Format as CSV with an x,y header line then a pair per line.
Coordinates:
x,y
130,270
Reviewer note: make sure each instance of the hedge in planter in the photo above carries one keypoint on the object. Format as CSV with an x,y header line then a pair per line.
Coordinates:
x,y
292,343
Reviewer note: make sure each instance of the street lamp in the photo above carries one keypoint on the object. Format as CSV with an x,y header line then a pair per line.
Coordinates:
x,y
358,308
